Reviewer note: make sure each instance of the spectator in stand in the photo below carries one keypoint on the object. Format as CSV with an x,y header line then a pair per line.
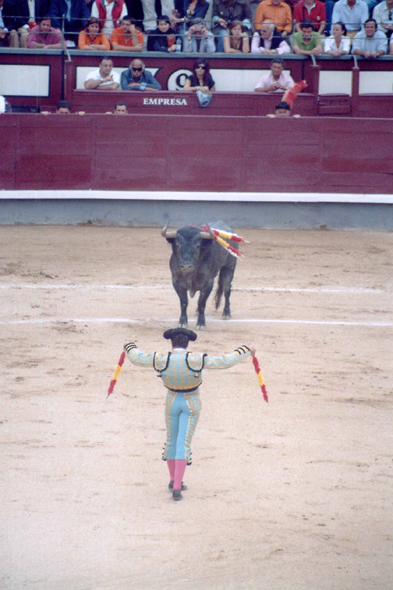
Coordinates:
x,y
137,78
44,36
104,78
238,40
277,12
189,10
127,37
391,47
8,36
313,10
224,13
353,13
21,16
307,41
369,43
276,80
199,39
92,38
383,14
269,41
337,44
200,78
110,13
150,15
69,16
163,38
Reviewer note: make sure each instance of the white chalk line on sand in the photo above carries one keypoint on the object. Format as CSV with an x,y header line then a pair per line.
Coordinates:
x,y
340,290
168,321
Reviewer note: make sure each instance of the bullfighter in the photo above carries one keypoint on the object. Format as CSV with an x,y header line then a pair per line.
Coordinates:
x,y
181,373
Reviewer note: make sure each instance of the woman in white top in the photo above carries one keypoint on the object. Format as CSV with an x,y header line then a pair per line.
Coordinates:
x,y
337,44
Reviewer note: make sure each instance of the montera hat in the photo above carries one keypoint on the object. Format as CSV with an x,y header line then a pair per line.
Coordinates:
x,y
169,334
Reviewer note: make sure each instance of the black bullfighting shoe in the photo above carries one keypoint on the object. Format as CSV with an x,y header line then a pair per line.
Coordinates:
x,y
183,486
176,495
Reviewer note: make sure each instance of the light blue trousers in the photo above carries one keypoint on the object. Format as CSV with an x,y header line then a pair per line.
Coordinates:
x,y
182,411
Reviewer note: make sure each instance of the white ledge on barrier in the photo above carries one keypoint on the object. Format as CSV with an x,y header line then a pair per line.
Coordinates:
x,y
197,196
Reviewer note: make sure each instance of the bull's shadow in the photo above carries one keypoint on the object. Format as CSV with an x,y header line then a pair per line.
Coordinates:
x,y
195,262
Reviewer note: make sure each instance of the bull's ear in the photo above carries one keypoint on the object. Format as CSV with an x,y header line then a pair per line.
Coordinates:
x,y
170,240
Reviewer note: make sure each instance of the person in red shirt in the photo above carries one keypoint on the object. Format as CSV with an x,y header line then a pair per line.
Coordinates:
x,y
310,10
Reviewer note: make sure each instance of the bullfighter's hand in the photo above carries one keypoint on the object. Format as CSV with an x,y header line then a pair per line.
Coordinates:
x,y
252,350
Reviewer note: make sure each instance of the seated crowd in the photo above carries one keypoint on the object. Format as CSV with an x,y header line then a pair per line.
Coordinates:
x,y
303,27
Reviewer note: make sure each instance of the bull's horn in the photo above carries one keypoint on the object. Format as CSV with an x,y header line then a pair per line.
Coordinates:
x,y
166,234
209,235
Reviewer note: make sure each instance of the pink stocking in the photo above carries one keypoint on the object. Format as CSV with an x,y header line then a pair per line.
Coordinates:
x,y
179,473
171,466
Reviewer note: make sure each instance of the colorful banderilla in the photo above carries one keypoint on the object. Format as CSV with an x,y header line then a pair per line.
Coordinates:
x,y
116,373
260,378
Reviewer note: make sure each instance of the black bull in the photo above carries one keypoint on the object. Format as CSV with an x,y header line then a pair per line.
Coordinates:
x,y
195,262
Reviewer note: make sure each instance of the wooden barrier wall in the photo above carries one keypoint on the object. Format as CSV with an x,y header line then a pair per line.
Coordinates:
x,y
197,153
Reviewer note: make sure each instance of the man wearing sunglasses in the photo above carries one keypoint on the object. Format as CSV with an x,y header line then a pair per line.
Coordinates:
x,y
137,78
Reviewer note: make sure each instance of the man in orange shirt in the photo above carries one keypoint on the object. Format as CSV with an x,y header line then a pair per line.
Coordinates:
x,y
127,37
276,11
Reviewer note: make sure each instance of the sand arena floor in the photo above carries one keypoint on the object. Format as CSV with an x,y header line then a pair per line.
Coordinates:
x,y
291,495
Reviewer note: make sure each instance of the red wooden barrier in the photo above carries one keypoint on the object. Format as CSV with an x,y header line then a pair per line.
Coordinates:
x,y
180,153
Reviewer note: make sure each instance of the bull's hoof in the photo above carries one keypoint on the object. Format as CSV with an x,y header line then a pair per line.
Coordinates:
x,y
226,316
200,327
182,324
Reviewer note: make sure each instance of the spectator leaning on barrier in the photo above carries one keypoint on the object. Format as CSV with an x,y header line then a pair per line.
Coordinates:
x,y
92,38
199,39
69,16
44,36
127,37
282,110
224,13
277,12
313,10
121,108
337,44
369,43
137,78
110,13
269,41
63,107
353,13
163,38
238,40
104,78
307,41
383,14
276,80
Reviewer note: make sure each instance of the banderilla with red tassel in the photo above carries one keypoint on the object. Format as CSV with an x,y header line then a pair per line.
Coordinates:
x,y
116,373
260,377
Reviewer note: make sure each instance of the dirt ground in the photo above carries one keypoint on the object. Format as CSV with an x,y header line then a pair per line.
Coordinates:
x,y
291,495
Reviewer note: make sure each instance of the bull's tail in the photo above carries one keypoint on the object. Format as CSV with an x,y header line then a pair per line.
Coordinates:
x,y
219,292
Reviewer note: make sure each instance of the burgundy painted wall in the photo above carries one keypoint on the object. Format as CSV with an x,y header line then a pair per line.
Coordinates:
x,y
169,153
